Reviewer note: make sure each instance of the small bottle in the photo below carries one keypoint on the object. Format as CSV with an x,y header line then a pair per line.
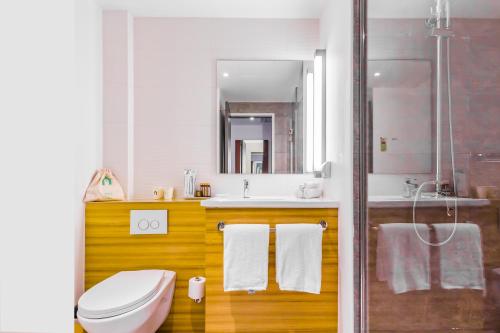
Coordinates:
x,y
205,190
383,144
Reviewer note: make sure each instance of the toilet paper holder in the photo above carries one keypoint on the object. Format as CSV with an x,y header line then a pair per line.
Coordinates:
x,y
196,289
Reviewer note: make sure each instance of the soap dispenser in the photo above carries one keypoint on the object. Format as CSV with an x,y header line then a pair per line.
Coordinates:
x,y
325,170
189,183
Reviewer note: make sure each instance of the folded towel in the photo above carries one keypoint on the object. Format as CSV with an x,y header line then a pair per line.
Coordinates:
x,y
313,184
246,252
310,193
403,260
460,259
298,257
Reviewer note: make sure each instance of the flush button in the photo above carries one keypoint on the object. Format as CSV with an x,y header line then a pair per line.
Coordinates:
x,y
144,222
154,224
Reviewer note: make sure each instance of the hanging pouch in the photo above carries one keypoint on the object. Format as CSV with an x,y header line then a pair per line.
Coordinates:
x,y
104,186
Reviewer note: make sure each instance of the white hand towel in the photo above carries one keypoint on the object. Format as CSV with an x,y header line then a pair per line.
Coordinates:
x,y
313,185
403,260
311,193
246,253
461,259
299,257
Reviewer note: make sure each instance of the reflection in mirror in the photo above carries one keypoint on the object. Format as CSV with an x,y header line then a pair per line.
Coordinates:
x,y
251,136
267,119
399,116
254,156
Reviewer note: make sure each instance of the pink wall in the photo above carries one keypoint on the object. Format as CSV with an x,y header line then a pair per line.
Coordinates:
x,y
115,63
175,94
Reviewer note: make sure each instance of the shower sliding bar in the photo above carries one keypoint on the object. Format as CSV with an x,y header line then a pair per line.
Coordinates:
x,y
221,225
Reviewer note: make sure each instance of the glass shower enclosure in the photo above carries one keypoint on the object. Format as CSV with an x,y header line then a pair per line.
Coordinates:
x,y
432,111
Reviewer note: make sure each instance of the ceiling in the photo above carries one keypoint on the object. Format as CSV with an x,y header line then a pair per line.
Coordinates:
x,y
219,8
294,8
259,81
421,8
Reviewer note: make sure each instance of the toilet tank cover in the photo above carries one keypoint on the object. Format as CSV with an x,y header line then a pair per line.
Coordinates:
x,y
120,293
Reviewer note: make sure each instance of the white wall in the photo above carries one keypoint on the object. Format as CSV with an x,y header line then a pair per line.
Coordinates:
x,y
89,97
336,38
39,128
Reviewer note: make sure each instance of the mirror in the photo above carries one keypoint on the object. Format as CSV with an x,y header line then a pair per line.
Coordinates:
x,y
399,116
270,116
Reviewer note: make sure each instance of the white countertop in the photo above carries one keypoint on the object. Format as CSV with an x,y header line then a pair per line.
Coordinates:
x,y
389,201
268,202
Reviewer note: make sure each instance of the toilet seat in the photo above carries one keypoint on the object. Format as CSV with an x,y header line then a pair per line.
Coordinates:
x,y
120,293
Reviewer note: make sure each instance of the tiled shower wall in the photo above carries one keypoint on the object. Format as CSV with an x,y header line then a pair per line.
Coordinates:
x,y
475,66
475,76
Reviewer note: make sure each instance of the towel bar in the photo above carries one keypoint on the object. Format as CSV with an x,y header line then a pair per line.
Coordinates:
x,y
221,225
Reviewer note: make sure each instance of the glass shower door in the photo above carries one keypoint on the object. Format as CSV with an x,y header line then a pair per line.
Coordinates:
x,y
433,156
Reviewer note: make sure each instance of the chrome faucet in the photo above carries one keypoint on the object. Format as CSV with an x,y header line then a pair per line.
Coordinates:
x,y
410,188
245,188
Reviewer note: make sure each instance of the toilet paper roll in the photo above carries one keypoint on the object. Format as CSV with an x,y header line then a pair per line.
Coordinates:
x,y
196,289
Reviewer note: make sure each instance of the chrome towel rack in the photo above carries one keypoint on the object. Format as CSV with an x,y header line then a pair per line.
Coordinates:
x,y
221,225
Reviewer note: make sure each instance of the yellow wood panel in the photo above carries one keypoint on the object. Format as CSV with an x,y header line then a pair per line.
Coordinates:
x,y
78,328
110,248
272,310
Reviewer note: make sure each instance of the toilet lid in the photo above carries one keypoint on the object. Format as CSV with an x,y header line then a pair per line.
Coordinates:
x,y
120,293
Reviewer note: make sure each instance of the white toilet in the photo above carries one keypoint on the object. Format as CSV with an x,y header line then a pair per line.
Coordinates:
x,y
128,302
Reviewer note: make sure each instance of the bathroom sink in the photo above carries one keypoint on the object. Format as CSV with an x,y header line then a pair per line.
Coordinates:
x,y
267,202
252,198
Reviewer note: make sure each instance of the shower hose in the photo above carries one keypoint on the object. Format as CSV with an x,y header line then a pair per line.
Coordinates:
x,y
452,150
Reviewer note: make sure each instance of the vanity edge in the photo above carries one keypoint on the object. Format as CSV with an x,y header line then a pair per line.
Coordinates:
x,y
465,202
270,204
